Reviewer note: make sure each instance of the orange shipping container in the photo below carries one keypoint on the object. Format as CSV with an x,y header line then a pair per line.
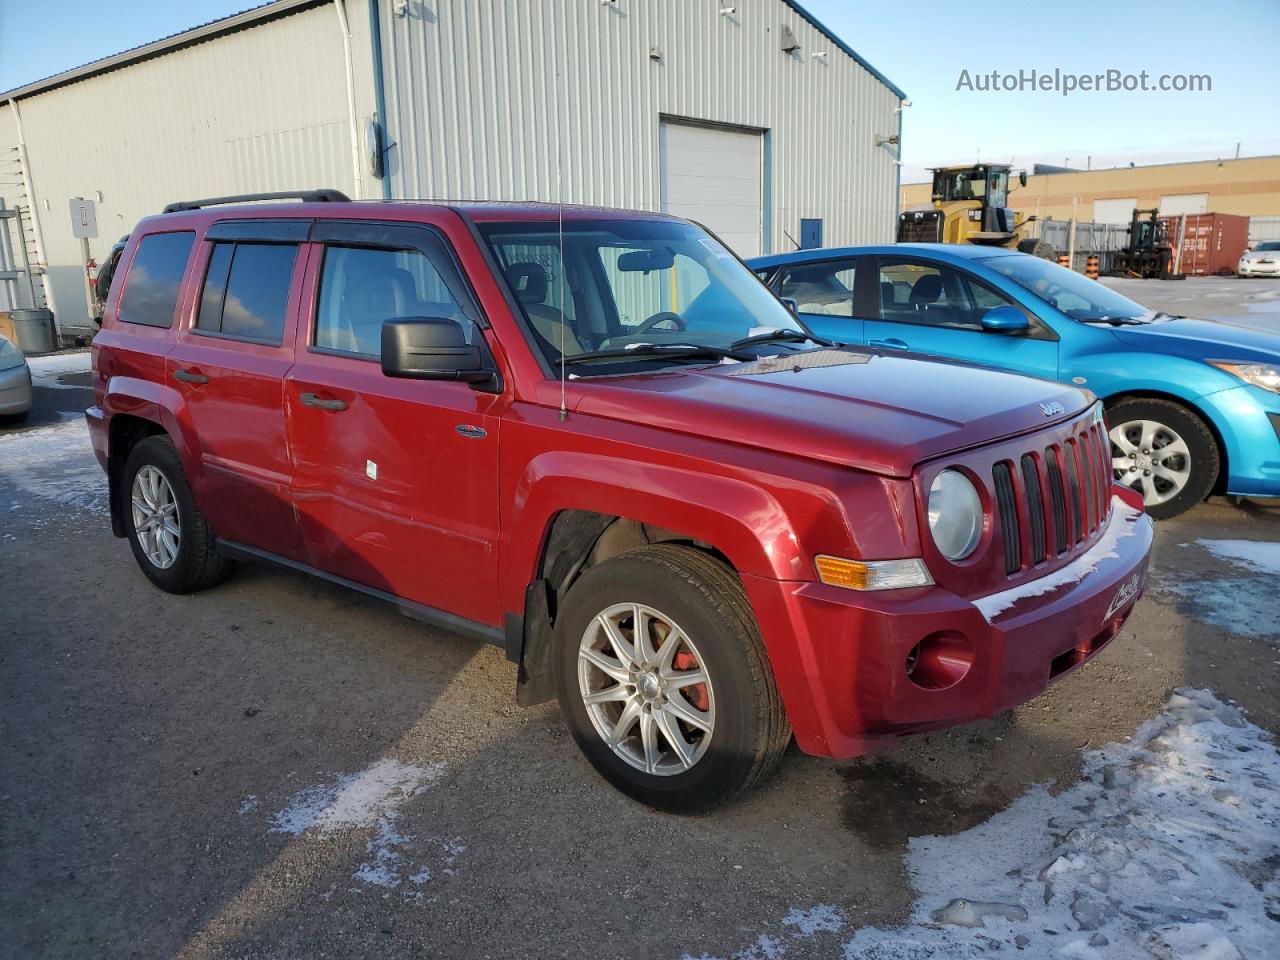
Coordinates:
x,y
1211,242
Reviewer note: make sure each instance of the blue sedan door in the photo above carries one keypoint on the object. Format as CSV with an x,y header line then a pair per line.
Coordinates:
x,y
929,307
824,296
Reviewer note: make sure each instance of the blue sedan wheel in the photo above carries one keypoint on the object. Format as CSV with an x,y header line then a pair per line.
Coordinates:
x,y
1165,452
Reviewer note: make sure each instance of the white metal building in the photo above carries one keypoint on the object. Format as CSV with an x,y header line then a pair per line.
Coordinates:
x,y
749,117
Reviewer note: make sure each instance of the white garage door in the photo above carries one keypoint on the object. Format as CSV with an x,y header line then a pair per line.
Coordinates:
x,y
1175,204
1114,211
714,177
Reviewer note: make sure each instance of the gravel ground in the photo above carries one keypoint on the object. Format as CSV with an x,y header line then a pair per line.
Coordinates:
x,y
277,768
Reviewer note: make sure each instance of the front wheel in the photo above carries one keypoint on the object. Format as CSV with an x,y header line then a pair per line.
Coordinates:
x,y
664,682
1165,452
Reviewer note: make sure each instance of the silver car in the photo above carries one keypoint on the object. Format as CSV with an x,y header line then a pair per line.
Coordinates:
x,y
15,382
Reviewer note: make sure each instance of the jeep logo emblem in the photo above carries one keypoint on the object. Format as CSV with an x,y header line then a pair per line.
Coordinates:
x,y
1052,409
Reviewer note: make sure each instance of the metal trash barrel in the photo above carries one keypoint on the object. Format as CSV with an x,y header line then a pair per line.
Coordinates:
x,y
34,330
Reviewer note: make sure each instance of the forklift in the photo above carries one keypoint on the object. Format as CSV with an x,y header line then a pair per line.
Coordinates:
x,y
1149,254
970,205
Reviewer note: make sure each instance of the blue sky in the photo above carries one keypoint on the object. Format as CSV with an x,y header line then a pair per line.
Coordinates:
x,y
921,46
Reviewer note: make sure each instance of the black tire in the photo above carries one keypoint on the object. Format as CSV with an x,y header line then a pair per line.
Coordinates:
x,y
14,419
705,598
1038,248
197,564
1205,457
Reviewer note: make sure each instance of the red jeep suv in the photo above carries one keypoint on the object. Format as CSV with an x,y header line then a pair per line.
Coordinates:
x,y
594,438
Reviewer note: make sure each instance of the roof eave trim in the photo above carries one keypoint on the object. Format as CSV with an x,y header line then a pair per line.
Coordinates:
x,y
831,35
148,51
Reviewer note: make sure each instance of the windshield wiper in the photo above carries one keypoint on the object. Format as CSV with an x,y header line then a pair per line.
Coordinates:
x,y
781,336
1114,321
651,351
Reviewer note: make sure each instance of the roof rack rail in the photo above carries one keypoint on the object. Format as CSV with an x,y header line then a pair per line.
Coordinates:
x,y
307,196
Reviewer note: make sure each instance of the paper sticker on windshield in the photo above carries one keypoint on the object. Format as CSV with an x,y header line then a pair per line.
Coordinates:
x,y
715,248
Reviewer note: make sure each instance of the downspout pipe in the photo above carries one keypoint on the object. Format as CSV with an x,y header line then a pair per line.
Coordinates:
x,y
379,91
897,178
37,232
345,27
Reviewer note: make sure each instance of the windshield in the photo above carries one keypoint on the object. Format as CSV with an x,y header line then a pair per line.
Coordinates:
x,y
1074,294
626,283
970,184
1268,245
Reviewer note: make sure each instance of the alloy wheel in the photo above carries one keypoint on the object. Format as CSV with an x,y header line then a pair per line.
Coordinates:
x,y
155,517
1150,457
646,689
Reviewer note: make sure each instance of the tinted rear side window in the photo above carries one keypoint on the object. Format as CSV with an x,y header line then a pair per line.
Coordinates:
x,y
151,286
360,288
246,291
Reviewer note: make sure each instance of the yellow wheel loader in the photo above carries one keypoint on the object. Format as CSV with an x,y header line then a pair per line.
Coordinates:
x,y
970,206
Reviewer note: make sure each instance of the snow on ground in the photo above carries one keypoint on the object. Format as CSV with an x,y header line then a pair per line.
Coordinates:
x,y
54,463
1167,847
1248,605
371,801
46,370
1259,555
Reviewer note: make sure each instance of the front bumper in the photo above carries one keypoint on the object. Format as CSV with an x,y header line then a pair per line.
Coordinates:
x,y
1248,418
841,657
15,390
1255,269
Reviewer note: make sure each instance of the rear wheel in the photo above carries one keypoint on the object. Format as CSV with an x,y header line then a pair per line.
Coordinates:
x,y
1165,452
664,682
168,532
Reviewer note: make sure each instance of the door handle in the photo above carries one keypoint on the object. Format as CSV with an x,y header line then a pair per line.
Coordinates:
x,y
190,376
324,403
891,343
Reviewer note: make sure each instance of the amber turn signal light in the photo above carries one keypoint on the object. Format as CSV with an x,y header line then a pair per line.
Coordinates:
x,y
872,574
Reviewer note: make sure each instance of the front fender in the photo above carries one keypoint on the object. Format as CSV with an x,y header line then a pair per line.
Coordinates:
x,y
745,522
1116,373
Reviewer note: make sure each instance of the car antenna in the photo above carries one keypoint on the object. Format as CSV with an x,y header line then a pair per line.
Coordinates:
x,y
564,408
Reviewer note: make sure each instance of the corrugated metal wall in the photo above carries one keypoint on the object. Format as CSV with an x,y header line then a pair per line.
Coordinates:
x,y
261,109
482,95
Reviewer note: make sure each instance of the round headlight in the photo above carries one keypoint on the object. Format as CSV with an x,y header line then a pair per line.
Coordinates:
x,y
955,514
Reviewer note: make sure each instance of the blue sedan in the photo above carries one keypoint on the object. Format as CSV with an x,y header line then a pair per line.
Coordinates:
x,y
1193,406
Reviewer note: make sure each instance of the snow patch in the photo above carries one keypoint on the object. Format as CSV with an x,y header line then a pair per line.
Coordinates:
x,y
54,365
823,917
1120,528
1168,847
356,799
1260,556
55,463
373,799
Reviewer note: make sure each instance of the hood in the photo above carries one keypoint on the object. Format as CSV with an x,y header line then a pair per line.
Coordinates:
x,y
1203,340
878,412
1260,255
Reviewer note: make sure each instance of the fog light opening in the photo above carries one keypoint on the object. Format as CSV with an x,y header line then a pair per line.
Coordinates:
x,y
939,661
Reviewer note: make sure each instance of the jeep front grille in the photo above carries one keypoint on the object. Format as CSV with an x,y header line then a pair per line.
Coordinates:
x,y
1049,500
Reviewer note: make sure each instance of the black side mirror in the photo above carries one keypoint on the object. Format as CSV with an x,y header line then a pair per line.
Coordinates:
x,y
1022,178
430,348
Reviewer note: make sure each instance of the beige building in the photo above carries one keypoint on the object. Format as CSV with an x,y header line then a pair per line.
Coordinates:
x,y
1249,186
